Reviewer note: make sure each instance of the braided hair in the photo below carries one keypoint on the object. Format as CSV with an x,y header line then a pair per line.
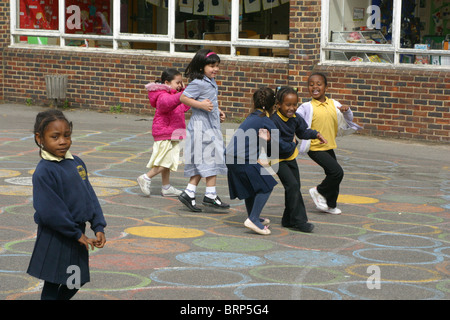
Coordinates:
x,y
264,98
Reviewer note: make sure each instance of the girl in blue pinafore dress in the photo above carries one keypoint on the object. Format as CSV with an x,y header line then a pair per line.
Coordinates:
x,y
204,152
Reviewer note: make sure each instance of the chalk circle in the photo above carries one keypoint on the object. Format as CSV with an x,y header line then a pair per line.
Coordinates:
x,y
398,241
200,277
347,198
233,244
444,286
21,181
365,177
408,207
13,234
444,267
5,173
220,259
10,246
20,282
401,228
395,269
164,232
15,190
310,258
14,261
188,220
111,182
416,256
321,242
391,216
144,246
297,274
439,251
117,262
106,192
119,278
255,291
360,290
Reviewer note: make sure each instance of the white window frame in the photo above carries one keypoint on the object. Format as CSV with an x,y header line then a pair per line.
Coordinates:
x,y
116,36
392,48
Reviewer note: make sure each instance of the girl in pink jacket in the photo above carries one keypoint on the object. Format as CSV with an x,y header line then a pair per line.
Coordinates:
x,y
168,129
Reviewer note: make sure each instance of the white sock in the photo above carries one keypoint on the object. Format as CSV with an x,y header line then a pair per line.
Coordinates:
x,y
190,190
146,177
166,186
210,192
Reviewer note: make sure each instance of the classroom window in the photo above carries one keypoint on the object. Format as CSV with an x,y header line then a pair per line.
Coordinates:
x,y
234,27
399,32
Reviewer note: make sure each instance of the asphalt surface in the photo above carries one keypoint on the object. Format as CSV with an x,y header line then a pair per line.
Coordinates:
x,y
391,242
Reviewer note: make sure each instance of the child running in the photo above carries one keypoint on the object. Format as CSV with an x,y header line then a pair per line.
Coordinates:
x,y
204,153
168,129
64,201
327,116
290,125
245,177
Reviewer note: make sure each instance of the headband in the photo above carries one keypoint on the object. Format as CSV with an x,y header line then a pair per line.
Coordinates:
x,y
210,53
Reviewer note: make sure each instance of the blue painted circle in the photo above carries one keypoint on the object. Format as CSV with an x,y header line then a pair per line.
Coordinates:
x,y
437,257
310,258
220,259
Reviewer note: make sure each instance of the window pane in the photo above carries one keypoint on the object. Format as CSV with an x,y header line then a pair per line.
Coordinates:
x,y
143,16
38,14
89,17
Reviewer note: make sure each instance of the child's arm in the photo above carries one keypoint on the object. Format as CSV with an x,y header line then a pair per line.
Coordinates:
x,y
205,105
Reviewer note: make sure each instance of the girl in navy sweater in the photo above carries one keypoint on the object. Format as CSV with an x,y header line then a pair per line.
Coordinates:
x,y
64,201
291,126
246,177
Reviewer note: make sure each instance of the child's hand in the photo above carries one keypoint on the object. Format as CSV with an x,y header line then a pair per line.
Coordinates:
x,y
222,116
343,108
264,134
321,138
101,240
85,241
206,105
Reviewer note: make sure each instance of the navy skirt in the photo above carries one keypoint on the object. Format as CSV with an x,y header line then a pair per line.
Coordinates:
x,y
246,180
53,253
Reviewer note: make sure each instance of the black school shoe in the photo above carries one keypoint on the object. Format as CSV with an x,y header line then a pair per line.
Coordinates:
x,y
188,202
305,227
216,203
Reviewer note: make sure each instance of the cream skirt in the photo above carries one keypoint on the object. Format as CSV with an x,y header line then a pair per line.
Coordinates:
x,y
166,153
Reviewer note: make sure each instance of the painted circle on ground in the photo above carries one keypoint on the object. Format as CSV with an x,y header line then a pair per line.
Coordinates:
x,y
147,246
188,220
402,291
408,207
400,228
200,277
5,173
347,198
111,182
396,269
164,232
383,254
117,262
106,192
255,291
444,286
301,275
233,244
391,240
12,234
220,259
19,282
405,217
15,190
117,279
310,258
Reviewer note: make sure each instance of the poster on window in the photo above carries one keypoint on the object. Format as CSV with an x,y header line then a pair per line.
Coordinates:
x,y
201,7
38,14
216,7
88,16
269,4
252,5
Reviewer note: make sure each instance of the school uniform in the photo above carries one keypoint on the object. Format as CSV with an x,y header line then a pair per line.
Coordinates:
x,y
204,148
294,214
64,201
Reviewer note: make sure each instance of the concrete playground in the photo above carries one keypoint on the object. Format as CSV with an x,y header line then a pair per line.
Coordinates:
x,y
392,240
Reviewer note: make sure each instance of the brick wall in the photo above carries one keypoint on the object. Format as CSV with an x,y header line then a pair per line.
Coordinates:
x,y
4,37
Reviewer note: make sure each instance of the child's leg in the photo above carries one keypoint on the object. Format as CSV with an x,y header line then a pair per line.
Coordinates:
x,y
154,171
187,197
329,187
211,198
55,291
259,201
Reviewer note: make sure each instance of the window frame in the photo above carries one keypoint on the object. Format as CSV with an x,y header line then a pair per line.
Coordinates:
x,y
117,36
393,48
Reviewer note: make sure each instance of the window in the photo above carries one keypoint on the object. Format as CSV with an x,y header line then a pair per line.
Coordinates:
x,y
399,32
234,27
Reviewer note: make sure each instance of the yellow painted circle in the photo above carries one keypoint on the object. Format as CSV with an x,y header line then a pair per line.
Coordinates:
x,y
111,182
106,192
347,198
164,232
434,275
4,173
434,230
15,190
